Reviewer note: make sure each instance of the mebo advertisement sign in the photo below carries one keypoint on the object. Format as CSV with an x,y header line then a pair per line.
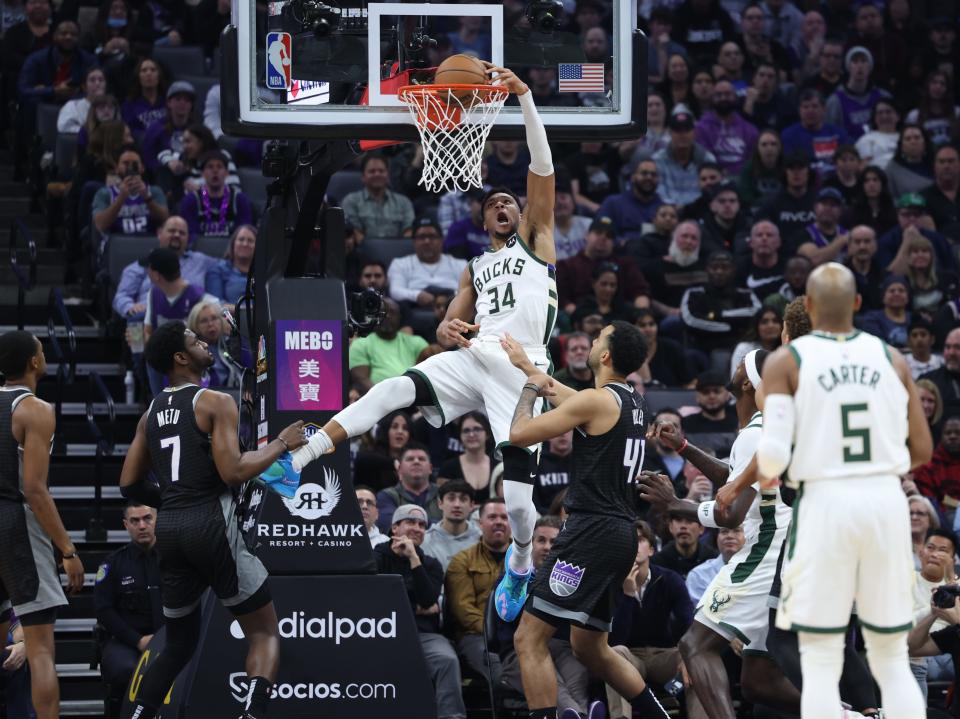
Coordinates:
x,y
349,649
308,365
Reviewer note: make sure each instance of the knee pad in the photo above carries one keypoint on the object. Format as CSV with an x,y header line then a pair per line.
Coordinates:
x,y
518,464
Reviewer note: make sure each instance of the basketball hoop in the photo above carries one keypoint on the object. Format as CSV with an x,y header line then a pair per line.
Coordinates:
x,y
454,122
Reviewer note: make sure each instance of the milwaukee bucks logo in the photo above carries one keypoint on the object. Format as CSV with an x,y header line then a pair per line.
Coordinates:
x,y
718,601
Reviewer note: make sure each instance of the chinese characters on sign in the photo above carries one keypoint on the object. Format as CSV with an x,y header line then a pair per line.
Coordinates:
x,y
309,365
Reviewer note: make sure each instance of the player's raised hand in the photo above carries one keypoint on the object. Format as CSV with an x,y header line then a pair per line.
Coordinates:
x,y
657,489
544,385
507,78
668,433
293,435
518,358
453,332
727,495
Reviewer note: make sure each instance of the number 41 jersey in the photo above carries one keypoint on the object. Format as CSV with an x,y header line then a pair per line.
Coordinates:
x,y
605,466
516,293
180,454
851,409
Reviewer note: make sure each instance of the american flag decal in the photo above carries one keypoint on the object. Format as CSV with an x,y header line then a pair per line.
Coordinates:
x,y
581,77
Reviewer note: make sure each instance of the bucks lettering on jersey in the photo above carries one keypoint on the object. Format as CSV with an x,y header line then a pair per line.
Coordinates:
x,y
516,293
851,409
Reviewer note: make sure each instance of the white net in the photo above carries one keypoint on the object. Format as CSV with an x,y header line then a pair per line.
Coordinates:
x,y
454,122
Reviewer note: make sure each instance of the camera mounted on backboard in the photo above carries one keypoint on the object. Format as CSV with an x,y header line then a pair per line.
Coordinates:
x,y
544,15
365,311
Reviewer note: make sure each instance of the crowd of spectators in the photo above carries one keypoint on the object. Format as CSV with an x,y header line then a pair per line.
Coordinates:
x,y
781,135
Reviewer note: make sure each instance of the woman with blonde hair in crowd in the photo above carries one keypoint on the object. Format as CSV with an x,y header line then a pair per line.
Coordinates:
x,y
227,279
929,285
923,518
206,322
932,404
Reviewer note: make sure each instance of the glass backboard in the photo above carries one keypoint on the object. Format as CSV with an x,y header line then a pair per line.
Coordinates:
x,y
313,69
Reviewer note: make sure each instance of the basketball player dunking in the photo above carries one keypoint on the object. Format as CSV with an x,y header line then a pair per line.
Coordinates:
x,y
843,413
509,288
30,526
584,572
188,438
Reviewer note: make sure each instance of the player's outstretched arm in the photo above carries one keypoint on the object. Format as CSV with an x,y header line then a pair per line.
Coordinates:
x,y
780,374
35,422
714,469
460,314
217,413
536,223
591,409
919,440
520,360
133,477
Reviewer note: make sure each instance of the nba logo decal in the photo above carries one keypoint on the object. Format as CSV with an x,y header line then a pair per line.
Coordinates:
x,y
278,60
565,578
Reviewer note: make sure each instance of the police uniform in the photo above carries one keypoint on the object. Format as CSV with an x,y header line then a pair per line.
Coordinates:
x,y
29,579
198,536
583,574
128,605
516,293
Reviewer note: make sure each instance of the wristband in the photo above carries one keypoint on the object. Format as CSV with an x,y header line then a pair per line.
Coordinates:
x,y
683,446
531,385
705,514
72,555
282,441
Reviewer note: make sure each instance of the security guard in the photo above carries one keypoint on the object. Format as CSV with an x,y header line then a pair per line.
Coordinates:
x,y
127,598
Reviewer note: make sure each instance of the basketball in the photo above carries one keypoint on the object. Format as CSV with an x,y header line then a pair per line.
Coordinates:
x,y
461,70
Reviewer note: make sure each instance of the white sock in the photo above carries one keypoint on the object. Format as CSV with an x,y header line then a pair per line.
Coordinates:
x,y
821,661
523,516
890,666
316,446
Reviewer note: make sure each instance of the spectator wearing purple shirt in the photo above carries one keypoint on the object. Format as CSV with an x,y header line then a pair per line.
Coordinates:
x,y
851,104
724,132
216,209
813,135
636,205
145,104
163,137
466,237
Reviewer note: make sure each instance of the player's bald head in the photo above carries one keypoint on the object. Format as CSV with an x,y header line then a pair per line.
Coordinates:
x,y
832,294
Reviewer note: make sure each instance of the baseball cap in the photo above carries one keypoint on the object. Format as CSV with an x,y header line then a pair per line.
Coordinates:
x,y
681,118
797,158
604,226
919,322
426,221
911,199
212,155
830,193
181,87
410,511
715,191
685,508
711,378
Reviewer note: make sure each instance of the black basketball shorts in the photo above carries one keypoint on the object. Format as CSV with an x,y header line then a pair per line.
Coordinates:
x,y
29,578
582,577
202,547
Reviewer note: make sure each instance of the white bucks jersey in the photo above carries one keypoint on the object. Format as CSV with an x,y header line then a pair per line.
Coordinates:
x,y
516,293
767,513
851,409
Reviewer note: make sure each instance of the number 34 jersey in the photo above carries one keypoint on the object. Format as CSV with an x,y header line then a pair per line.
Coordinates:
x,y
180,454
516,293
851,409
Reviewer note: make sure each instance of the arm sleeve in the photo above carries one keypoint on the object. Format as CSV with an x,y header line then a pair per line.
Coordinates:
x,y
211,112
541,159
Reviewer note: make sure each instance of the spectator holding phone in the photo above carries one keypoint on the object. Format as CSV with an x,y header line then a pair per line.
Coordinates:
x,y
129,206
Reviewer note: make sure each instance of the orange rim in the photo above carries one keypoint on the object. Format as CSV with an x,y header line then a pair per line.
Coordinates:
x,y
434,120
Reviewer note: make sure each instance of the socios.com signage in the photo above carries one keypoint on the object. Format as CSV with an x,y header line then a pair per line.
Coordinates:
x,y
349,649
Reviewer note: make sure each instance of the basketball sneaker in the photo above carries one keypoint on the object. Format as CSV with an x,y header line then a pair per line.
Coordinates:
x,y
598,710
570,713
512,591
281,477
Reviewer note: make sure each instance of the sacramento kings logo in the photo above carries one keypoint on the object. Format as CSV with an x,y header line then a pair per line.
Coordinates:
x,y
565,578
313,501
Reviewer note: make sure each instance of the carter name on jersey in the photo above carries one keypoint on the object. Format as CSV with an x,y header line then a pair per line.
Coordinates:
x,y
849,374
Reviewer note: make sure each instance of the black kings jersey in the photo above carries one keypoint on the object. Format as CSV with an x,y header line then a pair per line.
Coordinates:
x,y
180,453
11,453
605,466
